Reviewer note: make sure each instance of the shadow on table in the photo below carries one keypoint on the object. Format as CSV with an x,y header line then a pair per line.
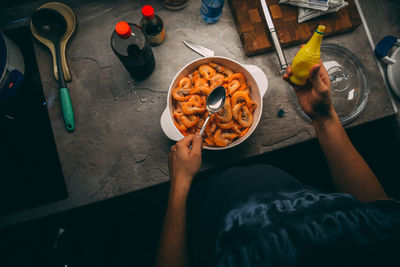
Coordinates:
x,y
125,231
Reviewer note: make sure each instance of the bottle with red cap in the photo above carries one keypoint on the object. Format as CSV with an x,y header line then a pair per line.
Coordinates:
x,y
152,26
131,46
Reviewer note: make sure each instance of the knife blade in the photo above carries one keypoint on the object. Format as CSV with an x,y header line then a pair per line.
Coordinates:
x,y
274,36
205,52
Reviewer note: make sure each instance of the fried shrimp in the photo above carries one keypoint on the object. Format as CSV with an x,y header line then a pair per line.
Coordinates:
x,y
194,105
181,94
178,123
200,87
233,86
225,125
189,105
189,121
224,138
243,97
217,80
225,114
221,69
185,82
207,72
245,117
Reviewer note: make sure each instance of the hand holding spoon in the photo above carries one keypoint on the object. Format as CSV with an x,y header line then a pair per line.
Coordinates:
x,y
214,103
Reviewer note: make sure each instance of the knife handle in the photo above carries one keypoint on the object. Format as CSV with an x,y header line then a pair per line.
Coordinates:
x,y
278,49
67,110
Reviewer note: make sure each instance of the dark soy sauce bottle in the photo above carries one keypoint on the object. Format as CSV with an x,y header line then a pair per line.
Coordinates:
x,y
152,26
131,46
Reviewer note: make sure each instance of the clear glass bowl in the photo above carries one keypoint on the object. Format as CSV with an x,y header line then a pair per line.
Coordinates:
x,y
349,85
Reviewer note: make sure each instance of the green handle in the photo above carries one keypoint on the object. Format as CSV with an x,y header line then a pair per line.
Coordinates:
x,y
67,110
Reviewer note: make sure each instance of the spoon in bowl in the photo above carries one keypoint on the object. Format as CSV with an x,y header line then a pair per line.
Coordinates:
x,y
50,24
214,103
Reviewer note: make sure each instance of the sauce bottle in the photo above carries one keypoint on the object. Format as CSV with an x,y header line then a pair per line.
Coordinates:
x,y
152,26
131,46
307,57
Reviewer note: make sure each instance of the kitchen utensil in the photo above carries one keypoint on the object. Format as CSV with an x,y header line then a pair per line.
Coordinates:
x,y
274,36
255,77
205,52
392,61
12,67
349,85
69,17
215,101
250,24
50,24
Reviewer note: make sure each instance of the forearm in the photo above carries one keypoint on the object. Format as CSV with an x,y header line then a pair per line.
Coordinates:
x,y
173,250
350,173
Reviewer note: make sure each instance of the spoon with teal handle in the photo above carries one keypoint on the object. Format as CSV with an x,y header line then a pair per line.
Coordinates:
x,y
214,103
51,25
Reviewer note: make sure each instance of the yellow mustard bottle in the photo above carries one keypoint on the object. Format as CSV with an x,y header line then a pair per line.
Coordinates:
x,y
308,56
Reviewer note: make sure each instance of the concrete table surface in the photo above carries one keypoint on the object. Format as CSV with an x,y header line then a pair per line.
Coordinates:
x,y
118,146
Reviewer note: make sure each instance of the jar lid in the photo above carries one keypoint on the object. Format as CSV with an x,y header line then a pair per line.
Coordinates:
x,y
123,29
148,12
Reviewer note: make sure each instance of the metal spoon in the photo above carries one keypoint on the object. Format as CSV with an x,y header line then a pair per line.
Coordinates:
x,y
51,25
214,103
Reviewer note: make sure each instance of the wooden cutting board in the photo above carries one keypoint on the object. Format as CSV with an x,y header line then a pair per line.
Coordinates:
x,y
253,30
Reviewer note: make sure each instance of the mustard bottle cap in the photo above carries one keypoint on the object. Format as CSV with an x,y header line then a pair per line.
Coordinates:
x,y
321,29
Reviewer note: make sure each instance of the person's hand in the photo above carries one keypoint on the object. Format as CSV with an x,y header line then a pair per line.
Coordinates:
x,y
315,96
183,162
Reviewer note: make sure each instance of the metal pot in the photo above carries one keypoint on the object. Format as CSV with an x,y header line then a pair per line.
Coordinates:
x,y
12,68
254,76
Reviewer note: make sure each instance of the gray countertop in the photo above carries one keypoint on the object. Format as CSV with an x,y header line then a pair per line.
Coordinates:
x,y
118,146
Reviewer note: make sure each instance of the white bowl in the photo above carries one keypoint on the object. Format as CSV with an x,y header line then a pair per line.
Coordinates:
x,y
255,77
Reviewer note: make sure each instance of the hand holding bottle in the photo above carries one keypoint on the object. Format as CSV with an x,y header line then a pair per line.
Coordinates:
x,y
315,96
307,57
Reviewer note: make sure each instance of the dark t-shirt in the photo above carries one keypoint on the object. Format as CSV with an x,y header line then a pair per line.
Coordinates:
x,y
261,216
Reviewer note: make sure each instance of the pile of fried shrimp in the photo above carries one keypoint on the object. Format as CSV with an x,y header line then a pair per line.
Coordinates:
x,y
189,105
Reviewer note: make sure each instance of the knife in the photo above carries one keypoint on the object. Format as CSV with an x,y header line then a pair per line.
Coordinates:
x,y
274,36
205,52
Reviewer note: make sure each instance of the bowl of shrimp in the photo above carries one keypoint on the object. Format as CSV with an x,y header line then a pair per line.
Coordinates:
x,y
186,110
